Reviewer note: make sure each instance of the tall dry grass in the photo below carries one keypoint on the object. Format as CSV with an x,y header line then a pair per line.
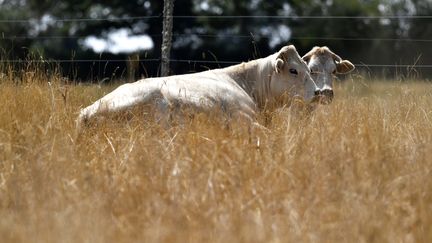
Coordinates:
x,y
358,170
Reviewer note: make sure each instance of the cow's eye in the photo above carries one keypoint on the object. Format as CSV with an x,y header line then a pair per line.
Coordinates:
x,y
293,71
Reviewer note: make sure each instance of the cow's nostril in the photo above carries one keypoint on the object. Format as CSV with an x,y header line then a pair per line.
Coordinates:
x,y
317,92
328,93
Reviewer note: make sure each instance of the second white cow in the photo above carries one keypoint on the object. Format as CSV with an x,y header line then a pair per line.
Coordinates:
x,y
238,90
323,64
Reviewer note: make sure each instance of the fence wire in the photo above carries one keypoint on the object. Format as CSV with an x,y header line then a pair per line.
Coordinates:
x,y
132,18
191,61
250,36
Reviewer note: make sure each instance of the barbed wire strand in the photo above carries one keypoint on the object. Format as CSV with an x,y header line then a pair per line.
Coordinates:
x,y
249,37
198,61
117,19
308,17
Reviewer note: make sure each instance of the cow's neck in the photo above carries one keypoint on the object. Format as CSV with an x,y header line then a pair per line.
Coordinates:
x,y
254,77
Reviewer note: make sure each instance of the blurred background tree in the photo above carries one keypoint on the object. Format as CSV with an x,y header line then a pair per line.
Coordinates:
x,y
60,30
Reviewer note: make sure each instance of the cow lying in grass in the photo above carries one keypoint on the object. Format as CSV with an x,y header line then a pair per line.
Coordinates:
x,y
323,63
238,91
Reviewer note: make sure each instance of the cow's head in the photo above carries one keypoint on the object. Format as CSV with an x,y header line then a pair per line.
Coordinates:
x,y
291,75
323,63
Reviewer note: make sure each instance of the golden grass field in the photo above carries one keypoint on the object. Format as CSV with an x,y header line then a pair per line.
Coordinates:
x,y
358,170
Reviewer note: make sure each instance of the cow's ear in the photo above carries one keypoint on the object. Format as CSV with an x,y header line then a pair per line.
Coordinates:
x,y
283,56
344,66
279,64
308,55
307,58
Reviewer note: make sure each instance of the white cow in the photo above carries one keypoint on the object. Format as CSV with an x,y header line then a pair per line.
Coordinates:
x,y
238,90
323,63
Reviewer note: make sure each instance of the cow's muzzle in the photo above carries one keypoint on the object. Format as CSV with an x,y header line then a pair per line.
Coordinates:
x,y
324,96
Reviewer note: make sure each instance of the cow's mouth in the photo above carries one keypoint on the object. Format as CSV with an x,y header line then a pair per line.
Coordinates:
x,y
323,97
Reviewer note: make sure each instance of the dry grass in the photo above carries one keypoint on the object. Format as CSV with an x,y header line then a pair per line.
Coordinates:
x,y
358,170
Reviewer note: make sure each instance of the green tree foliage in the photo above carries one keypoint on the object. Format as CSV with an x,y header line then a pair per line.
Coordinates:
x,y
10,44
362,40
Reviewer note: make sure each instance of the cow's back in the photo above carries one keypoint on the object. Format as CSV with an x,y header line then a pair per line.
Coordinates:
x,y
207,91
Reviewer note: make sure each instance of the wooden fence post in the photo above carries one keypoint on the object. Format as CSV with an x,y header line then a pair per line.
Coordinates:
x,y
167,36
